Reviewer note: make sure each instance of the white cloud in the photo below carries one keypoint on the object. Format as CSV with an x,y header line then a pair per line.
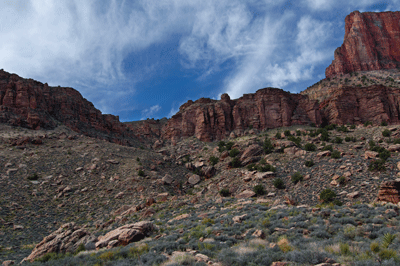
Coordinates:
x,y
150,112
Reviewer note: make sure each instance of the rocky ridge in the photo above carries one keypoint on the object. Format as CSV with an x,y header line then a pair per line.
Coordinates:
x,y
34,105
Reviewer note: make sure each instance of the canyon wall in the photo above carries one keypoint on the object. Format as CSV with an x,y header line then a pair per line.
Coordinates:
x,y
371,42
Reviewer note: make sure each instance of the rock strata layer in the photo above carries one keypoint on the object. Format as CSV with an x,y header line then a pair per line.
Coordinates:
x,y
371,42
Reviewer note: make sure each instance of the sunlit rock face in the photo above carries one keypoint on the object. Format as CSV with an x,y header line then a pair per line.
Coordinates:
x,y
371,42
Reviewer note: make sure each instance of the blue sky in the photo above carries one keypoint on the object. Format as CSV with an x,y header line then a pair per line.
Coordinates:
x,y
140,59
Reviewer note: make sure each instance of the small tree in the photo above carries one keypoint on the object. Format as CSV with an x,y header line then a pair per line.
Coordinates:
x,y
327,195
213,160
259,190
268,147
297,177
279,184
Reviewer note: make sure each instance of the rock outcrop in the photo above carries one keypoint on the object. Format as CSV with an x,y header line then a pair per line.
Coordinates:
x,y
371,42
209,119
31,104
66,239
389,192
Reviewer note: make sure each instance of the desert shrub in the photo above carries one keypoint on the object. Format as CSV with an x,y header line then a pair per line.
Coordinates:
x,y
338,140
50,256
328,148
141,172
396,141
33,177
342,180
309,163
297,177
353,127
287,133
367,123
235,163
297,140
278,183
377,165
234,153
251,167
335,154
80,248
310,147
348,139
327,195
298,133
224,192
343,128
138,250
221,146
229,145
325,136
330,127
265,168
386,133
384,154
213,160
384,124
278,135
259,190
268,147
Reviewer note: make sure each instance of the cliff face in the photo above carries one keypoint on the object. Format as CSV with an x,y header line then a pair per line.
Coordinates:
x,y
371,42
31,104
209,120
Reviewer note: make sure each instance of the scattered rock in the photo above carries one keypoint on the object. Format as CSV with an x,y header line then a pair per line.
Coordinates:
x,y
246,194
194,179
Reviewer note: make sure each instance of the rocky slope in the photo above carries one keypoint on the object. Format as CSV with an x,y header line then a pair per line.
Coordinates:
x,y
31,104
371,42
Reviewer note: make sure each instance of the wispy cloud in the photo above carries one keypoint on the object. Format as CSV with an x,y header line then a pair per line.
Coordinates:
x,y
150,112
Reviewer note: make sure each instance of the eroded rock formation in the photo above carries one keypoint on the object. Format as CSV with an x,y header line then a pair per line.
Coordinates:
x,y
371,42
29,103
209,120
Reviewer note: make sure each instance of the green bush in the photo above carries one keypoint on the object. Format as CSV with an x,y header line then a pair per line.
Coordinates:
x,y
309,163
251,167
279,184
367,123
384,124
297,177
324,136
33,177
80,248
338,140
298,133
377,165
259,190
229,145
278,135
328,148
213,160
353,127
396,141
234,153
330,127
384,154
224,192
327,195
343,128
297,140
348,139
268,147
386,133
266,168
335,154
342,180
287,133
235,163
141,172
310,147
221,146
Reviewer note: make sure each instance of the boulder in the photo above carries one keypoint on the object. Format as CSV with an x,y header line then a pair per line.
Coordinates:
x,y
194,179
251,151
246,194
126,234
66,239
389,192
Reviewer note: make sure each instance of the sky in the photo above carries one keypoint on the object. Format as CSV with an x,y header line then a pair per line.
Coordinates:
x,y
144,58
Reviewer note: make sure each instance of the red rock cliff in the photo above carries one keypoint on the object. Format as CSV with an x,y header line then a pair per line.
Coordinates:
x,y
31,104
209,120
371,42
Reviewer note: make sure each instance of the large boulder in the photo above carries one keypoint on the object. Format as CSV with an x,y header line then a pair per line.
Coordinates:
x,y
66,239
389,191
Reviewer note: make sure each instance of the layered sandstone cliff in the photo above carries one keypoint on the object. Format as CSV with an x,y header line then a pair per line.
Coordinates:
x,y
371,42
209,120
31,104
